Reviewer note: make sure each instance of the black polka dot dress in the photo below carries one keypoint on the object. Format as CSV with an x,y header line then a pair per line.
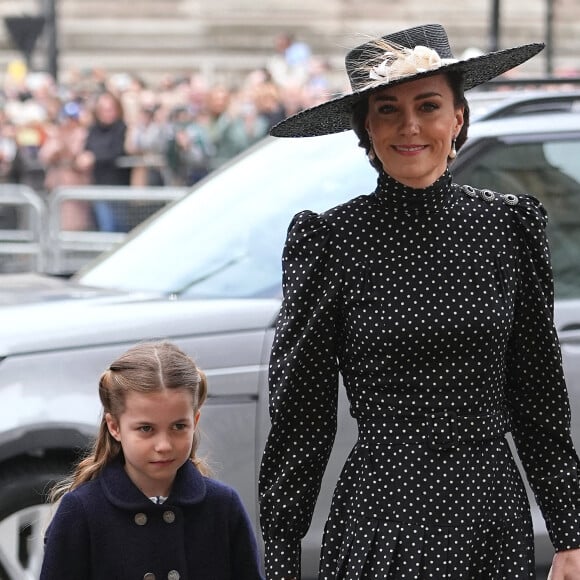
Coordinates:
x,y
435,306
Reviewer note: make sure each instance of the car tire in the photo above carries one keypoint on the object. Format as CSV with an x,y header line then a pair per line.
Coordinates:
x,y
24,514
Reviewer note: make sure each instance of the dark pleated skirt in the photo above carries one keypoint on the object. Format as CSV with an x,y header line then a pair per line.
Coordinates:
x,y
403,512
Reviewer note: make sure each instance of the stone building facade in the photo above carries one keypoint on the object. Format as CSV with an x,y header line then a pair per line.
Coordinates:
x,y
223,39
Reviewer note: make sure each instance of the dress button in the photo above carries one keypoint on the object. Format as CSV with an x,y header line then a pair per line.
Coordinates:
x,y
487,195
469,191
141,520
510,199
149,576
168,517
173,575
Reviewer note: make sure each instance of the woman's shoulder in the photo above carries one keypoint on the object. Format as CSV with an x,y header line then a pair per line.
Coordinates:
x,y
311,222
313,237
525,208
346,210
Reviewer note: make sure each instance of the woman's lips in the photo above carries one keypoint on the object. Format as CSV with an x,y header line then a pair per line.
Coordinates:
x,y
409,149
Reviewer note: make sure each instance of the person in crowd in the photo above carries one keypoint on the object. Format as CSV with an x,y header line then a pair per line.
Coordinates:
x,y
8,146
102,157
189,147
238,127
269,103
134,94
434,301
65,141
217,102
294,98
142,505
318,88
290,62
147,139
30,122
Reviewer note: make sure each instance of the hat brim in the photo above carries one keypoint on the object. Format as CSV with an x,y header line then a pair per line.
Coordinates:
x,y
334,116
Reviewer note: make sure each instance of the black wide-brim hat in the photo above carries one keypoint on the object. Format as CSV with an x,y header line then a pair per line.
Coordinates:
x,y
396,58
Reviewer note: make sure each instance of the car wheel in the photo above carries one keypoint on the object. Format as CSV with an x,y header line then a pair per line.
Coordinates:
x,y
24,515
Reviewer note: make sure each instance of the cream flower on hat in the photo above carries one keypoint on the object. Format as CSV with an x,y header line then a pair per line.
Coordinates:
x,y
400,62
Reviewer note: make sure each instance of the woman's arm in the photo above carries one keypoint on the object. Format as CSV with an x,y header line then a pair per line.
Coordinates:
x,y
303,394
536,388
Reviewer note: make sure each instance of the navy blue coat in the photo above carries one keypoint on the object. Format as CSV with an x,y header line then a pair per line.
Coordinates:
x,y
108,530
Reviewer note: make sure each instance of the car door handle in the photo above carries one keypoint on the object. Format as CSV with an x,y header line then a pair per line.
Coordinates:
x,y
570,327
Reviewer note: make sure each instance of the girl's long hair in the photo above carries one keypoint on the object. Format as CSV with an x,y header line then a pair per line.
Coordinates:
x,y
147,367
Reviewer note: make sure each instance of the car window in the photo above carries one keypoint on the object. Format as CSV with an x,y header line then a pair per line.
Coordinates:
x,y
225,238
550,171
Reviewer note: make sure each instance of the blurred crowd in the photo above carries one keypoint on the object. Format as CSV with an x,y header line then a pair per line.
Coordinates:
x,y
116,129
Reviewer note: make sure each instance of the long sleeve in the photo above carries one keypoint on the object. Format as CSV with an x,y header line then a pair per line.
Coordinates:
x,y
537,391
67,543
303,392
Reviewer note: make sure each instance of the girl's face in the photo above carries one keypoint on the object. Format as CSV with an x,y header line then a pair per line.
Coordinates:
x,y
156,434
411,127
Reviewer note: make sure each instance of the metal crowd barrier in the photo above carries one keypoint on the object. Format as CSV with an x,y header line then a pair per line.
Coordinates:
x,y
68,250
22,229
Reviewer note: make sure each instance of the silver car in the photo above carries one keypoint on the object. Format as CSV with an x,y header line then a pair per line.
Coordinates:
x,y
206,273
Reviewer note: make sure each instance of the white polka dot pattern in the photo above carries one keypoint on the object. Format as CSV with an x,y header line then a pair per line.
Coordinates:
x,y
434,302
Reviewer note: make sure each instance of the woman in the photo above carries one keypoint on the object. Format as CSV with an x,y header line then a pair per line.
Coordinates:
x,y
104,148
434,301
64,142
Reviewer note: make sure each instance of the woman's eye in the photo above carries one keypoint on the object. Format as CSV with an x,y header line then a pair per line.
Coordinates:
x,y
429,106
386,109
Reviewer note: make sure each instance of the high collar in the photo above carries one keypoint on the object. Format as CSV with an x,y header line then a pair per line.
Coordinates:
x,y
399,197
188,488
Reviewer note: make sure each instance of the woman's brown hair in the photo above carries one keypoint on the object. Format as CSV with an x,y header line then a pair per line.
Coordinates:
x,y
145,368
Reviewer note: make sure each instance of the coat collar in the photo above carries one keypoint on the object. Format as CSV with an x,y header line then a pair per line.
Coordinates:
x,y
188,488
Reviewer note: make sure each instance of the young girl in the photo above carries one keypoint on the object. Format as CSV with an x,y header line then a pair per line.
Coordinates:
x,y
141,505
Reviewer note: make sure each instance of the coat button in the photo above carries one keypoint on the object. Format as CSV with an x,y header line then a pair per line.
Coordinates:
x,y
149,576
173,575
141,520
168,517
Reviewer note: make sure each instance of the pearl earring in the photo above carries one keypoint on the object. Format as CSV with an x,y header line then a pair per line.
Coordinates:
x,y
453,152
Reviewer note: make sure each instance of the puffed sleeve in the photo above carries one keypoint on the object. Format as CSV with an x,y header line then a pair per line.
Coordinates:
x,y
67,542
537,391
303,392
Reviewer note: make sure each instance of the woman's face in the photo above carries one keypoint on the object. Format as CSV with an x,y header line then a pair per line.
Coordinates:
x,y
412,126
107,110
